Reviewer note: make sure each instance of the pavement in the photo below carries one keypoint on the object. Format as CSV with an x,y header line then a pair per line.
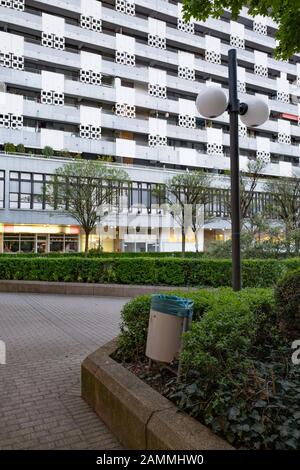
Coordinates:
x,y
47,337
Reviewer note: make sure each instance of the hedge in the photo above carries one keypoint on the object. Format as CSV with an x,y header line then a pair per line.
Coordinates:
x,y
97,254
144,271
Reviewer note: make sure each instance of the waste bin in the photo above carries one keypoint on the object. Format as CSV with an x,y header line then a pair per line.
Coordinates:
x,y
168,316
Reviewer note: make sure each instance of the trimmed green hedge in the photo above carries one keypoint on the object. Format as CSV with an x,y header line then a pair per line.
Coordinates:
x,y
97,254
144,271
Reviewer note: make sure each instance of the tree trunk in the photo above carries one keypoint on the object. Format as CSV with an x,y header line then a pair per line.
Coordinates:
x,y
86,248
196,241
183,241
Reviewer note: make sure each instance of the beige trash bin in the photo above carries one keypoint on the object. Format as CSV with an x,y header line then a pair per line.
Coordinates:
x,y
168,317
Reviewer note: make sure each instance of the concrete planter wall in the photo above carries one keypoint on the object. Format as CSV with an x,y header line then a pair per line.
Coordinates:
x,y
139,416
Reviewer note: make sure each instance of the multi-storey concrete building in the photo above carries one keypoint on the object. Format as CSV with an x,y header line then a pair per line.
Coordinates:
x,y
119,78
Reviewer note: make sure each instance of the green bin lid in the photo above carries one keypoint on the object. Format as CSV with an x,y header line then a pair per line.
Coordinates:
x,y
172,305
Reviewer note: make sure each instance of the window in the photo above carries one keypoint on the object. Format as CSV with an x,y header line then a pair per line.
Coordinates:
x,y
2,188
18,242
26,190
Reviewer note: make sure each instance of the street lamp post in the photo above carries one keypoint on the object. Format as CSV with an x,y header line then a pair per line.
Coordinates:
x,y
234,111
211,103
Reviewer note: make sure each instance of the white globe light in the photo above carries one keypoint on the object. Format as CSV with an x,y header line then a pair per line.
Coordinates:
x,y
212,102
257,113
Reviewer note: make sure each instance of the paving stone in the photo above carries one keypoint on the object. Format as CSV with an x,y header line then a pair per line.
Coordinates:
x,y
47,337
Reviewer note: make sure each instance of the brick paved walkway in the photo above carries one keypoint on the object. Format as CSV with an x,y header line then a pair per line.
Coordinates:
x,y
47,337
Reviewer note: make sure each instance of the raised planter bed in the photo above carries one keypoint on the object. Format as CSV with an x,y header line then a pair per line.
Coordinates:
x,y
138,415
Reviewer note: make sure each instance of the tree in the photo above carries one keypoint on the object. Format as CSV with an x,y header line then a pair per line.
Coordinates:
x,y
286,205
81,188
185,193
248,185
249,180
284,12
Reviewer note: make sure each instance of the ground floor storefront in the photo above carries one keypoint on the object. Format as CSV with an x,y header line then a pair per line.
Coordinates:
x,y
39,239
42,238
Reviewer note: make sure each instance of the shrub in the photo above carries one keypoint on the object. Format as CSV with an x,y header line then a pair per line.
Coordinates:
x,y
231,326
139,270
20,148
287,295
9,148
64,153
48,151
134,328
227,307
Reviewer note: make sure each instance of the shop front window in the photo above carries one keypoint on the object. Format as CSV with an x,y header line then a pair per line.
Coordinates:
x,y
41,244
11,243
14,243
57,243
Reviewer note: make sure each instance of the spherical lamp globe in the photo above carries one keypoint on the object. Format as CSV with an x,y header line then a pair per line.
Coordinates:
x,y
257,112
212,102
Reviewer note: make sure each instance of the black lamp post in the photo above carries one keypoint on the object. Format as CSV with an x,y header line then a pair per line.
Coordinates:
x,y
211,103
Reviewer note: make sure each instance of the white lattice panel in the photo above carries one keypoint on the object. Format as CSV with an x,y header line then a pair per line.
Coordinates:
x,y
11,121
182,25
124,58
157,141
260,25
186,121
126,6
89,132
263,153
157,86
125,110
214,142
283,89
212,50
242,130
125,50
185,27
237,35
53,41
88,76
241,80
284,132
157,41
157,132
52,97
15,4
261,64
156,33
93,24
157,91
11,61
186,73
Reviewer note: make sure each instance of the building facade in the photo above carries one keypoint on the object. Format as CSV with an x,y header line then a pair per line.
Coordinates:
x,y
119,78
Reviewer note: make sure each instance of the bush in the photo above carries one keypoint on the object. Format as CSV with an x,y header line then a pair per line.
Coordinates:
x,y
140,270
287,295
64,153
233,323
238,380
134,328
135,316
48,151
20,148
9,148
